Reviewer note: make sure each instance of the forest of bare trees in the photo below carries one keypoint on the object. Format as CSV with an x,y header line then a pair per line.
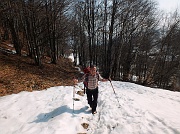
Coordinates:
x,y
129,40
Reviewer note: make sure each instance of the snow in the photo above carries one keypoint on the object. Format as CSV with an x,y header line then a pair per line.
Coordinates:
x,y
71,56
134,109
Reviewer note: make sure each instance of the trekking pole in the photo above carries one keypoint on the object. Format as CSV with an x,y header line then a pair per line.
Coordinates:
x,y
73,96
115,93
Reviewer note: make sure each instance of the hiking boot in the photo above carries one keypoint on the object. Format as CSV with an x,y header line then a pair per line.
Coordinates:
x,y
94,110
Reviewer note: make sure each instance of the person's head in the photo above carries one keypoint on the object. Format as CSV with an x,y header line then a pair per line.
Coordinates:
x,y
92,69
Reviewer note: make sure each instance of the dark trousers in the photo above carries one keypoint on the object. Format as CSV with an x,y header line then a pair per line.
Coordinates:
x,y
92,96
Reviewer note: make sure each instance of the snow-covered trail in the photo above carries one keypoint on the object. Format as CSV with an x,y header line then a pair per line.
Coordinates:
x,y
142,110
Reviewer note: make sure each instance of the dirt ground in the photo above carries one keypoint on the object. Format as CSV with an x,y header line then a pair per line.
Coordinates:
x,y
18,73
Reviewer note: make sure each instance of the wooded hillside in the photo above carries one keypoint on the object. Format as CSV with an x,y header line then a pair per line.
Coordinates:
x,y
19,73
129,40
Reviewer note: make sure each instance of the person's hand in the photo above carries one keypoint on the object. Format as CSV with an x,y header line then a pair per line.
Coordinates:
x,y
75,81
104,80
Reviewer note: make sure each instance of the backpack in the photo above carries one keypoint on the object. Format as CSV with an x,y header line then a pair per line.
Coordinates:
x,y
86,70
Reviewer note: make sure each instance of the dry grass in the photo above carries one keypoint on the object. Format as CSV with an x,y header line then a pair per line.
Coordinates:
x,y
18,73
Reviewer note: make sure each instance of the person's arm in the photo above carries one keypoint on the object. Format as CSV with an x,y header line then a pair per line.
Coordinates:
x,y
101,78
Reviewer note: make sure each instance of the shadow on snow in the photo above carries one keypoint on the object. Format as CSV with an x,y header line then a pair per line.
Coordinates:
x,y
44,117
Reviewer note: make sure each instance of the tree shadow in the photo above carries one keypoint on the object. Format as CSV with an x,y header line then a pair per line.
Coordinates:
x,y
45,117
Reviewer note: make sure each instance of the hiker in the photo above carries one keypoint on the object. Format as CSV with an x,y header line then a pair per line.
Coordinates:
x,y
86,70
92,79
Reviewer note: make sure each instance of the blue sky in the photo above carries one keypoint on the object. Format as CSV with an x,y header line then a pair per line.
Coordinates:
x,y
169,5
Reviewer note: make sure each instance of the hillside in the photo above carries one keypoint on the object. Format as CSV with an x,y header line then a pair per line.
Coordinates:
x,y
18,73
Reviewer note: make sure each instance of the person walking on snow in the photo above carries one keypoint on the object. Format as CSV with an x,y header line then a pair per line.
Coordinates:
x,y
86,70
92,79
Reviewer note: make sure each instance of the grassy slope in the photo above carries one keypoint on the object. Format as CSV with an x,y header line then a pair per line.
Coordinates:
x,y
17,73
